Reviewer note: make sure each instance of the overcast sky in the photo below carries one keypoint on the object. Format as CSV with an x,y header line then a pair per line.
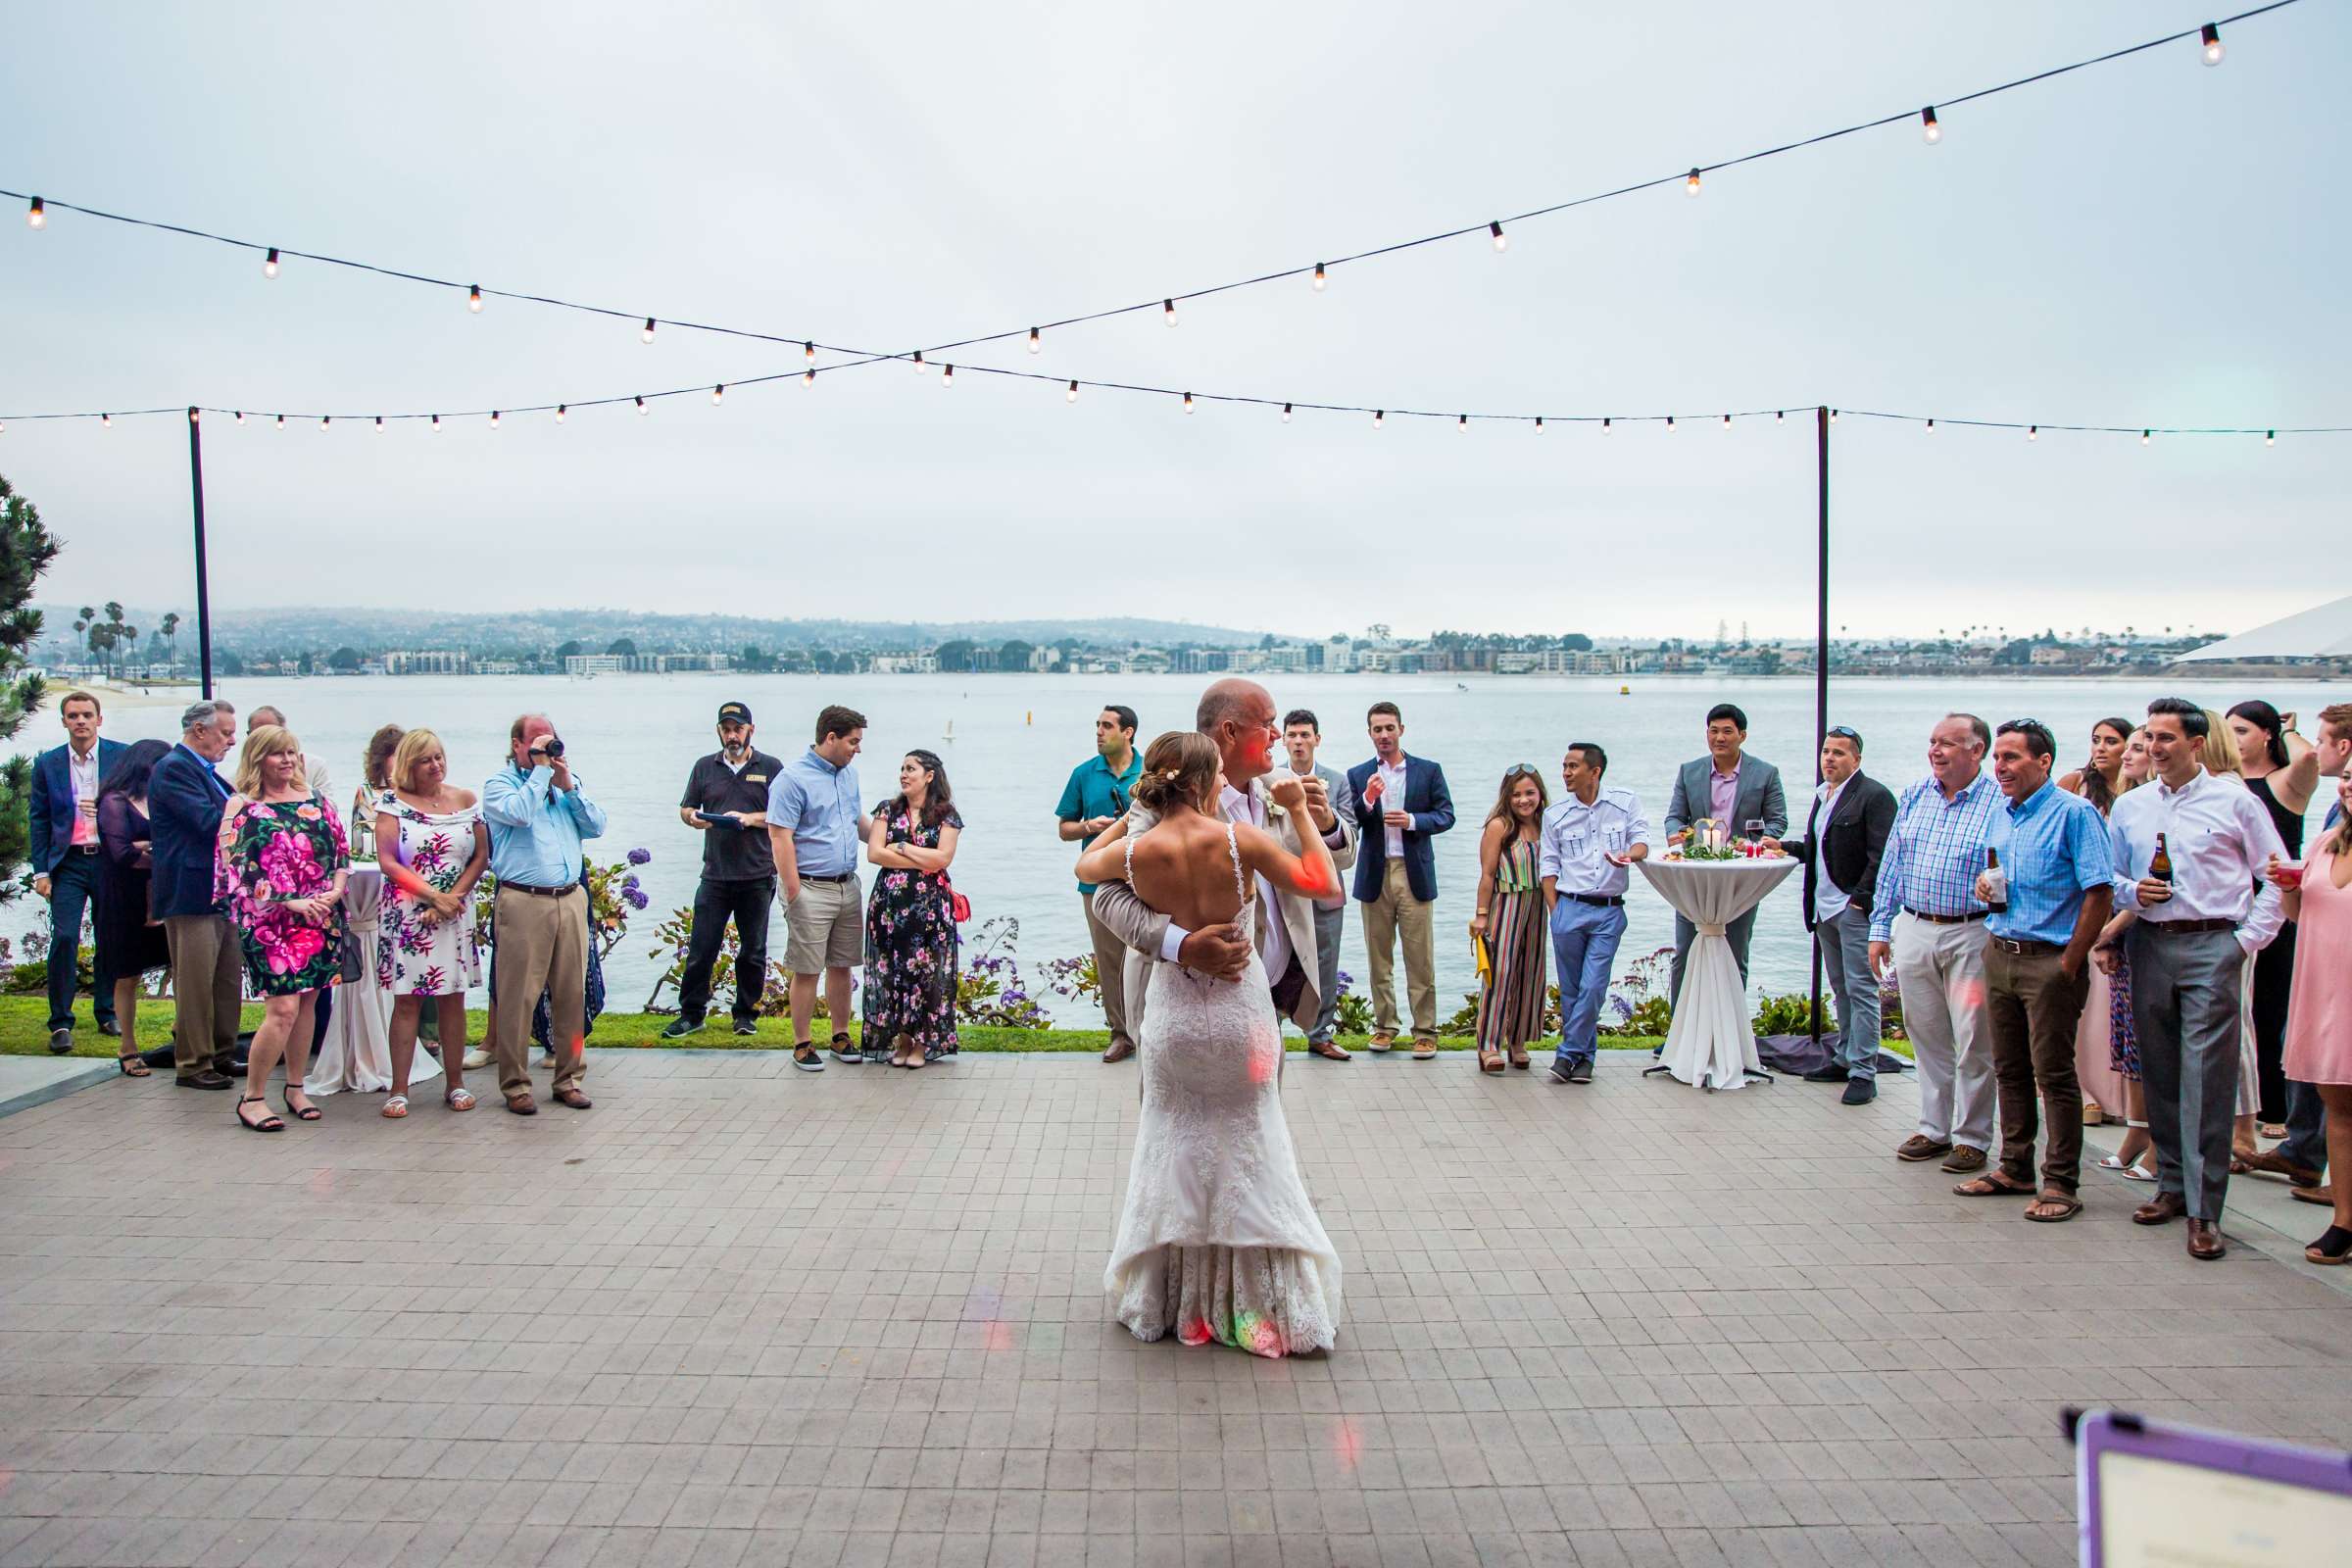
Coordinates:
x,y
2147,242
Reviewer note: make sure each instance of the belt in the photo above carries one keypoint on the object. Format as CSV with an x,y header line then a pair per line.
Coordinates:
x,y
2021,946
1603,901
543,893
83,848
2186,927
1944,919
845,876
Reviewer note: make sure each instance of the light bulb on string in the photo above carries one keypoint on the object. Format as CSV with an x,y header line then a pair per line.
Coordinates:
x,y
645,333
1461,421
920,366
37,216
1606,427
1380,417
270,263
1931,426
807,378
1071,396
2143,437
947,377
281,421
325,420
106,421
561,409
493,418
1318,278
1779,415
1167,312
1833,415
1502,241
2270,438
2032,432
1188,403
379,424
241,415
473,298
1727,422
1690,183
434,428
1036,342
2211,35
809,350
1670,421
1286,413
641,408
718,394
1930,131
1539,422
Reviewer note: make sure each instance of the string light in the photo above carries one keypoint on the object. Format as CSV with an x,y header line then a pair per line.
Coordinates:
x,y
1690,183
947,376
1780,416
1833,415
1167,312
1071,396
561,409
1380,417
2211,37
1286,413
270,263
646,333
1727,422
1605,426
807,378
1035,342
718,394
493,418
241,415
1188,403
641,408
2270,438
473,299
1461,421
1929,130
1318,278
809,350
1502,241
37,216
2032,432
920,366
106,421
435,427
2143,437
1670,421
1539,422
325,420
1930,424
281,420
379,424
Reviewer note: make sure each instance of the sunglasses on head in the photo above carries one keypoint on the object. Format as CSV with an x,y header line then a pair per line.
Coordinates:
x,y
1843,732
1517,769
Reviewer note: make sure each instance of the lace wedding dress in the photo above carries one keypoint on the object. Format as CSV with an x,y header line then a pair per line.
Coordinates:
x,y
1220,1239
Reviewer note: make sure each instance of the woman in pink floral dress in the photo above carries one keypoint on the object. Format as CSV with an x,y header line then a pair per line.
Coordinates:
x,y
433,850
281,869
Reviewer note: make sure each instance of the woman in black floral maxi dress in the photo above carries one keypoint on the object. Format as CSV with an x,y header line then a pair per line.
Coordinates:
x,y
911,938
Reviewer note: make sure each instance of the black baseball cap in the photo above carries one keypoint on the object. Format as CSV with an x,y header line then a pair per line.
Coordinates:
x,y
734,713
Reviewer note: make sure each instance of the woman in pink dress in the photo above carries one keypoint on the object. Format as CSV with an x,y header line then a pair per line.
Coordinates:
x,y
2319,1015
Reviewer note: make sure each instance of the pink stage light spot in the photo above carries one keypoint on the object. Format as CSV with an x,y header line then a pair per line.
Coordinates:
x,y
1348,1444
1972,994
579,1048
1264,1054
323,1181
998,1338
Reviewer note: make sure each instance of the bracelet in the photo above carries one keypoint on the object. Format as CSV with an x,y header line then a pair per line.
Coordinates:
x,y
1481,912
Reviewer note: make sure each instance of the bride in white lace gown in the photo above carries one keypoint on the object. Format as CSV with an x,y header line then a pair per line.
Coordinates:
x,y
1218,1240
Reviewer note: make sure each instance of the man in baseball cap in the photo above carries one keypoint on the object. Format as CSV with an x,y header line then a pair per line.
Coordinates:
x,y
726,802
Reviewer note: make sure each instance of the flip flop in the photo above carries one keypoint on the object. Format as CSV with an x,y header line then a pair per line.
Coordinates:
x,y
1990,1184
2068,1207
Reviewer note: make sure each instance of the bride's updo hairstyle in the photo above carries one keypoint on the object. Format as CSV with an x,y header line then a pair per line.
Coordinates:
x,y
1180,768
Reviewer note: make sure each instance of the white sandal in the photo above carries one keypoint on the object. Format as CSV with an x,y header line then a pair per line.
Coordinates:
x,y
396,1108
459,1098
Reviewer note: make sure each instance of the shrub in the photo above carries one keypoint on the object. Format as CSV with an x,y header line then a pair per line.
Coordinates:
x,y
613,894
675,937
1075,978
989,989
1638,1003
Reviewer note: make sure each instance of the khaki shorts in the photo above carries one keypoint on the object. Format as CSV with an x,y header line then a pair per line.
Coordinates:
x,y
827,926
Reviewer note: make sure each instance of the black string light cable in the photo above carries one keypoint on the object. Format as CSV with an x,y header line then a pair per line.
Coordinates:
x,y
2208,35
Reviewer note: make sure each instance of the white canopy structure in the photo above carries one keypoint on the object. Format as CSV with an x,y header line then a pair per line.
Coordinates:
x,y
2324,631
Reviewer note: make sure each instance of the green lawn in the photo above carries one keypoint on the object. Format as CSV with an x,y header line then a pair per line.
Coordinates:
x,y
24,1032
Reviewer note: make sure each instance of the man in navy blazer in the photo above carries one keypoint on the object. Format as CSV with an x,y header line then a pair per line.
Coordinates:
x,y
1400,805
185,800
1734,789
62,836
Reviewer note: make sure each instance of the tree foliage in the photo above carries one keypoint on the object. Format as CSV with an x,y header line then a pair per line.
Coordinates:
x,y
26,550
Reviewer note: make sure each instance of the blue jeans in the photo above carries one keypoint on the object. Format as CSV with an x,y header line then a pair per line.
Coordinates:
x,y
73,886
1583,949
1846,965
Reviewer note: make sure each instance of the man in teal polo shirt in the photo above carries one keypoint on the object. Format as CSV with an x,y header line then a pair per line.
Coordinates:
x,y
1095,797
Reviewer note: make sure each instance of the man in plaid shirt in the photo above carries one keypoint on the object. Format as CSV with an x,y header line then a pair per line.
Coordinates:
x,y
1929,925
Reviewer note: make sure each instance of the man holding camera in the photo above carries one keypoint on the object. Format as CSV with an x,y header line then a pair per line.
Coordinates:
x,y
539,817
726,801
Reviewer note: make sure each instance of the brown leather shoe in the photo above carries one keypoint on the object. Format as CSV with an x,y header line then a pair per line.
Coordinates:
x,y
522,1105
573,1099
1965,1158
2162,1210
2278,1164
1919,1146
1380,1043
1120,1050
2205,1241
1328,1049
2325,1193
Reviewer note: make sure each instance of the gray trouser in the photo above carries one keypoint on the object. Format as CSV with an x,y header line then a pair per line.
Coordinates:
x,y
1327,924
2185,1005
1846,965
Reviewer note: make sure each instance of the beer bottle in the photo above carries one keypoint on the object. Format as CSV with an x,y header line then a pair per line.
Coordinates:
x,y
2160,868
1996,882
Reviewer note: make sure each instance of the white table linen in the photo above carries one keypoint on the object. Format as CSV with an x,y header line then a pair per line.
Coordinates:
x,y
1710,1043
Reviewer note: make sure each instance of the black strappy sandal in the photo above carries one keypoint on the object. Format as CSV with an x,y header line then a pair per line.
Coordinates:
x,y
309,1113
269,1123
129,1065
2331,1249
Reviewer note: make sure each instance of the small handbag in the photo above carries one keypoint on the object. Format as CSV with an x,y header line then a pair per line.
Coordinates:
x,y
960,908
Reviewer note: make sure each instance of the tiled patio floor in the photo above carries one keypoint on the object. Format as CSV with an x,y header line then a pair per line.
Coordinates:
x,y
738,1314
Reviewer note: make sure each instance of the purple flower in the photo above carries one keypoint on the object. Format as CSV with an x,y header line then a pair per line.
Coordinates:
x,y
634,899
640,857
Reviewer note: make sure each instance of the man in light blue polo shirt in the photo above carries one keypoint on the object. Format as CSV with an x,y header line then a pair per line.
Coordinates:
x,y
815,826
1095,797
538,816
2050,894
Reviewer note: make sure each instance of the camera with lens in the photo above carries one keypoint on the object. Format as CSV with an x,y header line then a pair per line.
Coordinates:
x,y
551,748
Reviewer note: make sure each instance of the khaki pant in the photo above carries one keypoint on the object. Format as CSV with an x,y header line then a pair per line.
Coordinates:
x,y
1398,912
2031,1010
542,946
1123,1016
1940,969
207,978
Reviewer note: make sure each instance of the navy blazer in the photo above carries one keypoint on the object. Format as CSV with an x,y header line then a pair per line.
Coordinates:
x,y
1432,808
184,798
50,805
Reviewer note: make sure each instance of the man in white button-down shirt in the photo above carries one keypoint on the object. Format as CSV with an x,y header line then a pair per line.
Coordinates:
x,y
1590,838
2188,947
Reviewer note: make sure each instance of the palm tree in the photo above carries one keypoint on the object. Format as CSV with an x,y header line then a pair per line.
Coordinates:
x,y
82,629
171,630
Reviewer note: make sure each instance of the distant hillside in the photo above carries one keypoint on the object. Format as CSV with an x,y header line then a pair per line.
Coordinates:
x,y
258,631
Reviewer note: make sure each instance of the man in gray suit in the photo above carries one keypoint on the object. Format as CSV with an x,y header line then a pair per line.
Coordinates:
x,y
1239,715
1302,735
1732,789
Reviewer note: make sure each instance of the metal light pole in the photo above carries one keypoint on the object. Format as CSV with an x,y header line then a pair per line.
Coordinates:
x,y
1821,665
204,600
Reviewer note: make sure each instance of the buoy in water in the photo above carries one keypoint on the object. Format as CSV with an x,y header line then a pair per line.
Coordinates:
x,y
1029,715
1625,691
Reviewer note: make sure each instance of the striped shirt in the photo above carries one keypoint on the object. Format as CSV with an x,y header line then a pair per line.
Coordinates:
x,y
1934,853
